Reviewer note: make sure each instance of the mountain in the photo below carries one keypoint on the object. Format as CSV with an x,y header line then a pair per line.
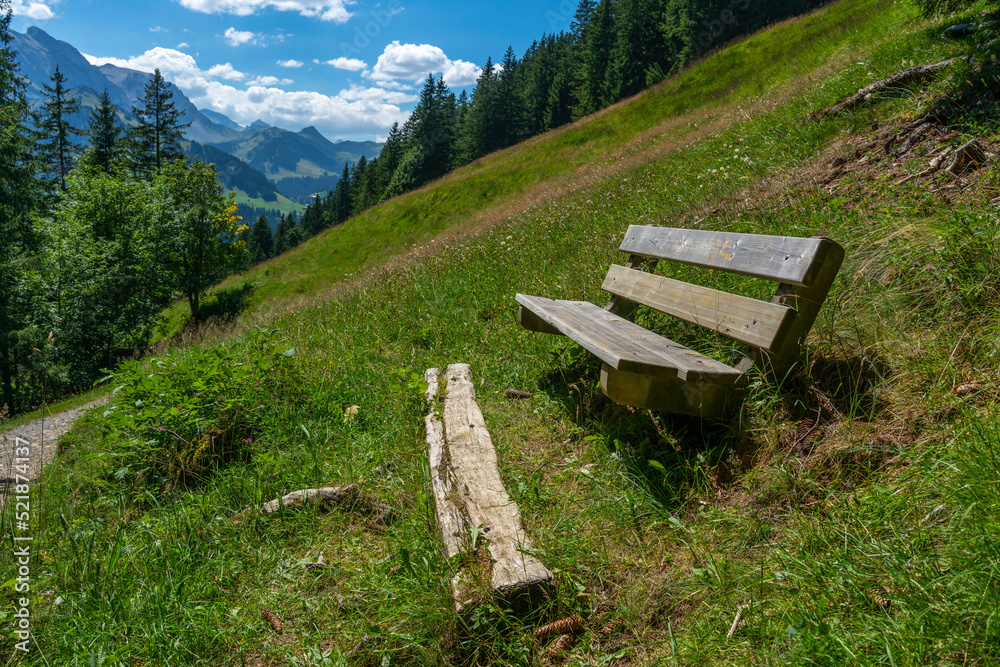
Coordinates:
x,y
303,163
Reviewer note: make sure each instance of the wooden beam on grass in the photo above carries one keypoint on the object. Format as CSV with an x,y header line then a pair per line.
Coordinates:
x,y
470,497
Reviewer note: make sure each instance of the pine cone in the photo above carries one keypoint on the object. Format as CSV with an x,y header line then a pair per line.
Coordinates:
x,y
271,618
566,626
559,647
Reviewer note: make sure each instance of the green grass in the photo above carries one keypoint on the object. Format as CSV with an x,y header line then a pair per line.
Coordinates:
x,y
712,94
282,203
871,542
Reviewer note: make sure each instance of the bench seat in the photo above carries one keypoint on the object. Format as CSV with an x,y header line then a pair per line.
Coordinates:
x,y
622,344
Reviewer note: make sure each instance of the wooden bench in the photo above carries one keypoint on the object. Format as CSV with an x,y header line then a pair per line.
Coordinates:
x,y
646,370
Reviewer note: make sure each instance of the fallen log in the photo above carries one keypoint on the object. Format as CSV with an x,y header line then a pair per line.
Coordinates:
x,y
347,495
473,507
901,78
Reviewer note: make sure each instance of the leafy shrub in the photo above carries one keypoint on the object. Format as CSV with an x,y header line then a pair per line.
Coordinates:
x,y
175,419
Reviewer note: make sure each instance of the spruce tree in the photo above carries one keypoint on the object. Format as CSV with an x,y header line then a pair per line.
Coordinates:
x,y
259,241
157,136
55,148
105,134
16,202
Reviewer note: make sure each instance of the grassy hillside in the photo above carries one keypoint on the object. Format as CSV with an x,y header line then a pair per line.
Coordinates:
x,y
746,79
848,510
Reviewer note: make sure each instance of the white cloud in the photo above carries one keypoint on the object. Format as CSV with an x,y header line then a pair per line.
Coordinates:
x,y
157,28
290,63
236,37
33,10
354,112
225,72
413,62
349,64
327,10
183,45
269,81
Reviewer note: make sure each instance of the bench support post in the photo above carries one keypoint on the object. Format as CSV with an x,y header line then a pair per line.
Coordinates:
x,y
698,399
807,301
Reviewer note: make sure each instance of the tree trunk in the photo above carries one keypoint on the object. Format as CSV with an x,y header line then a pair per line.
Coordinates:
x,y
193,300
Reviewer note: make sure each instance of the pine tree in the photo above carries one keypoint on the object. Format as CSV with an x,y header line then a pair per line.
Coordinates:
x,y
342,193
259,241
479,131
392,153
157,137
16,202
105,135
510,122
598,39
54,143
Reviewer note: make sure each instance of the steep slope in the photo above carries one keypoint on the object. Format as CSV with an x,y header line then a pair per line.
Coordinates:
x,y
843,515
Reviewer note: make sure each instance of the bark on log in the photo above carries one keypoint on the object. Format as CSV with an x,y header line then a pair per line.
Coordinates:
x,y
469,493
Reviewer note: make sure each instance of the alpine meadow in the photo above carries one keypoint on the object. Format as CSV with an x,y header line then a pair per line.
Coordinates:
x,y
223,445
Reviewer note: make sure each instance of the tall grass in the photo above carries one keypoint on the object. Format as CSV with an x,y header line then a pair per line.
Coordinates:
x,y
869,540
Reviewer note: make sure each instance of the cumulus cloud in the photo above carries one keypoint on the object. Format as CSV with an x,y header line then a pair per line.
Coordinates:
x,y
413,62
269,81
236,37
33,10
225,72
354,112
326,10
290,63
349,64
157,28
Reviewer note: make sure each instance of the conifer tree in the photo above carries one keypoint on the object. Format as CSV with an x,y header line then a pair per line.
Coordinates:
x,y
105,135
54,143
259,241
16,202
156,139
342,193
510,105
598,39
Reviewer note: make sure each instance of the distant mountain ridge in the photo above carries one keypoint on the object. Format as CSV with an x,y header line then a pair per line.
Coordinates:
x,y
298,163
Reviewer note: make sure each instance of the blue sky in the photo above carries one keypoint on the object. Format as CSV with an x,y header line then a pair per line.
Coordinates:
x,y
349,68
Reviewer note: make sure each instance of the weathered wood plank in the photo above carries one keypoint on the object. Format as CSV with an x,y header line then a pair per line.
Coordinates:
x,y
784,259
442,480
481,491
468,492
624,345
757,323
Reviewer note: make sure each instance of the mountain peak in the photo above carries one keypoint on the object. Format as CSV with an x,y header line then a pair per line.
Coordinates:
x,y
312,133
258,125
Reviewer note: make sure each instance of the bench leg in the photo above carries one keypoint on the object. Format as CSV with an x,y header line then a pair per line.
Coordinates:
x,y
703,400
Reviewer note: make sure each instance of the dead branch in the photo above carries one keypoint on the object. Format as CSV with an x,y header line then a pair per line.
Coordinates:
x,y
346,495
901,78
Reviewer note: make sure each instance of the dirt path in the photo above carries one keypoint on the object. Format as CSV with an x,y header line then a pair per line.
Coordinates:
x,y
41,437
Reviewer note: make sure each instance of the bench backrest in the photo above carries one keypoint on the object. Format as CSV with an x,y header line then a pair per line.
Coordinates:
x,y
803,267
